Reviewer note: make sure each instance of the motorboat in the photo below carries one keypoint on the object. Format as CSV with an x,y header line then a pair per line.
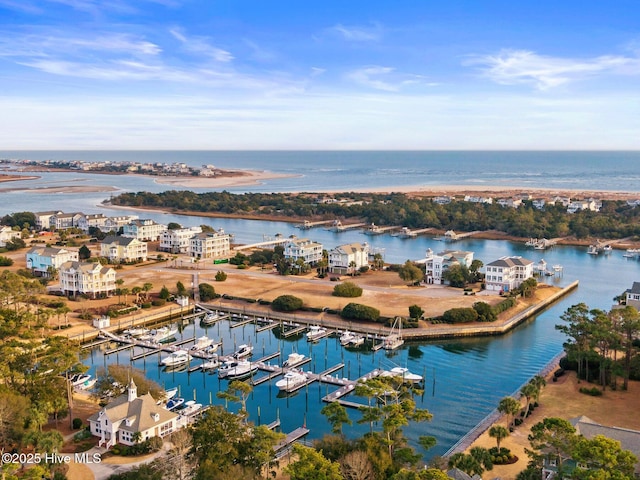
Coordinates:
x,y
136,332
179,357
175,403
201,343
291,379
607,249
293,359
172,392
160,335
79,378
351,339
211,364
210,318
315,333
592,250
87,384
243,351
406,375
237,370
631,253
190,408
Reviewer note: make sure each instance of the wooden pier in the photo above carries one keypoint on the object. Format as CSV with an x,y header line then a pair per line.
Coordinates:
x,y
291,437
293,331
339,227
377,230
306,225
269,326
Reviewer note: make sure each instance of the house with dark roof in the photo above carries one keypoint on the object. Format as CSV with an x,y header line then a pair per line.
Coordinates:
x,y
437,264
121,419
507,273
123,249
633,295
629,440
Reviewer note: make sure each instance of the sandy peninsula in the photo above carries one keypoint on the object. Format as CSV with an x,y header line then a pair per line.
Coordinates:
x,y
230,178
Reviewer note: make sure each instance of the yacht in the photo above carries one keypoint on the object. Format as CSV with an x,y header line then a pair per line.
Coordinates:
x,y
211,318
316,332
174,403
79,378
351,339
160,335
291,379
179,357
293,359
607,249
631,253
87,384
201,343
243,350
136,332
190,408
394,339
211,364
406,375
172,392
237,370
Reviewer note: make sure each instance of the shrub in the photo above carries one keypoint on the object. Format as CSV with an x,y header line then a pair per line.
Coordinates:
x,y
347,289
416,312
76,423
207,292
242,266
221,276
154,444
364,269
158,302
484,311
164,293
286,303
594,392
146,305
5,261
460,315
356,311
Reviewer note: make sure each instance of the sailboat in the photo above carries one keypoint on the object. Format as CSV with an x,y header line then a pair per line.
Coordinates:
x,y
394,339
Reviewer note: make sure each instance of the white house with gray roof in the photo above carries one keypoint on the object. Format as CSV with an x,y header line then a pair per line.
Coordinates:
x,y
121,419
87,278
348,258
507,273
123,249
633,295
437,264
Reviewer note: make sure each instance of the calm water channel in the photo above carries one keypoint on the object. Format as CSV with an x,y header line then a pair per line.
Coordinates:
x,y
464,379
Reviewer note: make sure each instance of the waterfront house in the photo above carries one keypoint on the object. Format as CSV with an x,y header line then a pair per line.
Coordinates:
x,y
348,258
123,249
476,199
62,221
120,420
115,223
87,278
95,220
589,205
177,240
7,234
633,295
43,219
43,261
629,440
144,230
302,248
507,273
437,264
216,244
510,202
538,203
443,200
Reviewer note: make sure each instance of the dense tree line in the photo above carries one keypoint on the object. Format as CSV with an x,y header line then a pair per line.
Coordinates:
x,y
615,220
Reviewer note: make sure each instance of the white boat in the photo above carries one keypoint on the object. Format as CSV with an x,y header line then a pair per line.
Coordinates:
x,y
87,384
291,379
236,370
211,364
351,339
190,408
179,357
316,332
293,359
607,249
79,378
172,392
592,250
174,403
406,375
211,318
159,335
243,350
394,339
211,349
631,253
136,332
201,343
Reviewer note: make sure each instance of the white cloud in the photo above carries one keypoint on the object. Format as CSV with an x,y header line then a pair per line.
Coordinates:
x,y
357,33
201,46
383,78
510,67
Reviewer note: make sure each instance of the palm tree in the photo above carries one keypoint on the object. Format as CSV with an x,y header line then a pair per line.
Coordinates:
x,y
510,407
528,391
136,291
499,433
136,437
146,288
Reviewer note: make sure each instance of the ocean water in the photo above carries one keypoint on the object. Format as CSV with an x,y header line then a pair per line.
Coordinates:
x,y
344,170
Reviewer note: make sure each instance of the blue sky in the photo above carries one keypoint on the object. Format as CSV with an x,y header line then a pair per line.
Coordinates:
x,y
307,74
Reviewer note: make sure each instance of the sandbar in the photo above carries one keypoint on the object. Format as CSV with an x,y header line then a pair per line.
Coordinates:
x,y
231,178
63,189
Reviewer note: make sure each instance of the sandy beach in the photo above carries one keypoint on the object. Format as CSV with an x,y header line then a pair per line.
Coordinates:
x,y
231,178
